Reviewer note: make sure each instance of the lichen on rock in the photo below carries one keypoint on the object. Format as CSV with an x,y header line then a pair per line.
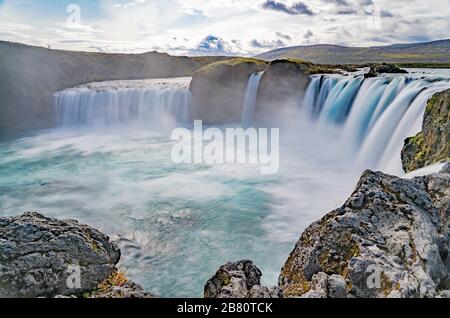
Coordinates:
x,y
390,239
46,257
432,144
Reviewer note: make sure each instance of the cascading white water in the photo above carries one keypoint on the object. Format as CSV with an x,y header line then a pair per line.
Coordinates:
x,y
374,115
144,102
338,105
251,93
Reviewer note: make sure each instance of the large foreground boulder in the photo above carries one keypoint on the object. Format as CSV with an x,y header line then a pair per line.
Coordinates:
x,y
239,280
389,239
432,144
45,257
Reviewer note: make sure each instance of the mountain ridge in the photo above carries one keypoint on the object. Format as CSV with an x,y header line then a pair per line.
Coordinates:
x,y
421,52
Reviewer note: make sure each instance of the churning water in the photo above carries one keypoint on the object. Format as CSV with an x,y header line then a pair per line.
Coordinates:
x,y
108,165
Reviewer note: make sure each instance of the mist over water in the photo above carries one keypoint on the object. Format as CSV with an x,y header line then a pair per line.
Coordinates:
x,y
108,165
153,104
372,117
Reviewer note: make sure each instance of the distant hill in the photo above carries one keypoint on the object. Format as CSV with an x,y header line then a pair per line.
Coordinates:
x,y
30,75
428,52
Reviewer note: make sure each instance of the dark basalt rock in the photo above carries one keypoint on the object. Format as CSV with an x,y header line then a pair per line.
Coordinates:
x,y
241,279
38,255
384,68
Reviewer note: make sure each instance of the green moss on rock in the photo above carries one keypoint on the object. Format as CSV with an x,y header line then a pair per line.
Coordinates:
x,y
231,63
432,144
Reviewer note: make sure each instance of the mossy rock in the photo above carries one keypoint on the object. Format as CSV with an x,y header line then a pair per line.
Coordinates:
x,y
232,63
432,145
218,90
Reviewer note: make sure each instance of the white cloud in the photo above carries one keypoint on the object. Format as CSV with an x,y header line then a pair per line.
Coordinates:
x,y
242,26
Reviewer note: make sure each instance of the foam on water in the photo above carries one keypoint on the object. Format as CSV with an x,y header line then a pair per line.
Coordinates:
x,y
107,167
175,223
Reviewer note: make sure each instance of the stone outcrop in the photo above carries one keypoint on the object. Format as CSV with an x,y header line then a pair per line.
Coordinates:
x,y
281,91
432,144
239,280
118,286
389,239
384,68
218,90
45,257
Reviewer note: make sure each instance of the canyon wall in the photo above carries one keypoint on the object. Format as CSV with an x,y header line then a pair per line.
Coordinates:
x,y
30,75
218,90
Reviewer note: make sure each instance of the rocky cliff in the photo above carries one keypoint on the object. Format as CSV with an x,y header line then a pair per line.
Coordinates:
x,y
30,75
281,90
432,144
218,90
389,239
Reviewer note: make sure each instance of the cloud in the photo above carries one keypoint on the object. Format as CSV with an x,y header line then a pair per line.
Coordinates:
x,y
338,2
386,14
346,11
267,44
295,9
377,11
214,44
308,34
284,36
234,27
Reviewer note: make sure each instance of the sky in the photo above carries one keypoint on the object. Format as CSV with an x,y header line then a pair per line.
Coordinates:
x,y
219,27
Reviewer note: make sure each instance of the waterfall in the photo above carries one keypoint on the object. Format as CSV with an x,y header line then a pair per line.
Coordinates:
x,y
338,104
142,102
251,93
374,116
362,111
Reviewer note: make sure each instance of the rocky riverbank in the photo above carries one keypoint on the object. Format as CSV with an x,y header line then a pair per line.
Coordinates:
x,y
45,257
389,239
